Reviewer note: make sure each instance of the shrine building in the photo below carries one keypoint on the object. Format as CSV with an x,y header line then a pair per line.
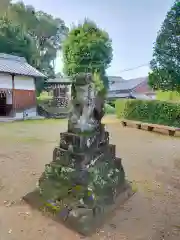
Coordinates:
x,y
17,87
60,90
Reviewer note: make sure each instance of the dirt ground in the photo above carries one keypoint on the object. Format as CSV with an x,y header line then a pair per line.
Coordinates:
x,y
151,161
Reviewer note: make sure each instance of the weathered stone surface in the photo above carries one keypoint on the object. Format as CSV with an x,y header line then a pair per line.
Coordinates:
x,y
81,219
86,221
85,179
83,141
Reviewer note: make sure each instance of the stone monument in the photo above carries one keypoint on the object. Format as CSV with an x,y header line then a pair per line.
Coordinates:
x,y
85,181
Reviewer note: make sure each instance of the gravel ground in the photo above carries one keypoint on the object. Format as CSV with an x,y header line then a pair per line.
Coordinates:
x,y
151,161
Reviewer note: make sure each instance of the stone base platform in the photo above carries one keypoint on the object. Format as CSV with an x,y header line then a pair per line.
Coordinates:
x,y
83,220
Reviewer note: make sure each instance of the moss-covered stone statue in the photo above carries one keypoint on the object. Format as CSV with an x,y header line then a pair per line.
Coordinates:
x,y
85,179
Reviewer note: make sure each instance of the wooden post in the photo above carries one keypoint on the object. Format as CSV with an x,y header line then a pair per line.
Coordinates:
x,y
59,90
36,103
13,98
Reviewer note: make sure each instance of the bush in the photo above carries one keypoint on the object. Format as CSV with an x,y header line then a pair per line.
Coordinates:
x,y
120,107
150,111
109,109
111,103
168,96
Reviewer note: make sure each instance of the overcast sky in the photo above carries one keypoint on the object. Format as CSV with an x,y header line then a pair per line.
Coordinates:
x,y
132,25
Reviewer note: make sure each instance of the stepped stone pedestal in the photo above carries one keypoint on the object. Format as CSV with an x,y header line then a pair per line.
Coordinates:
x,y
85,181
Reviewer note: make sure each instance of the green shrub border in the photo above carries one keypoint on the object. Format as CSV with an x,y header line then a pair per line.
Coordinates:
x,y
150,111
109,109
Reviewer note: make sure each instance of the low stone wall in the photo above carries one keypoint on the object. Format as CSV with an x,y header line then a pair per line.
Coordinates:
x,y
42,111
26,114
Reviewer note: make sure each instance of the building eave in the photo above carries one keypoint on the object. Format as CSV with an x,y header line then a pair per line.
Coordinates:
x,y
15,65
26,75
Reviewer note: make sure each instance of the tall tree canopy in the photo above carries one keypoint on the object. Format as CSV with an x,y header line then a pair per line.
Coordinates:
x,y
47,31
43,31
165,64
13,40
87,49
4,5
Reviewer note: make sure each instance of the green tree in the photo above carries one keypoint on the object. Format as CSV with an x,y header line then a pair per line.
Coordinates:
x,y
13,40
4,6
87,49
42,33
47,31
165,64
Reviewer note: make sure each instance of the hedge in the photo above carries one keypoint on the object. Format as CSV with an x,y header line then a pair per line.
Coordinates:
x,y
150,111
109,109
168,96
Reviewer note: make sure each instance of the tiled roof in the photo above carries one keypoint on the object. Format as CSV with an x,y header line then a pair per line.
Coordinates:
x,y
132,83
60,80
17,65
122,84
115,79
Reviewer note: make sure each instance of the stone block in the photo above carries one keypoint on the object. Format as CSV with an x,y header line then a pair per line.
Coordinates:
x,y
85,181
112,149
85,221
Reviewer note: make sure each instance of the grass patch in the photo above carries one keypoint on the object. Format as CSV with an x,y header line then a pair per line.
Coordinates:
x,y
44,97
44,121
109,109
149,188
31,139
134,186
34,121
26,139
40,122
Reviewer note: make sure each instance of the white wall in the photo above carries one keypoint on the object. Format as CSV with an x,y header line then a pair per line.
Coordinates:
x,y
9,98
69,91
5,81
24,83
20,82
